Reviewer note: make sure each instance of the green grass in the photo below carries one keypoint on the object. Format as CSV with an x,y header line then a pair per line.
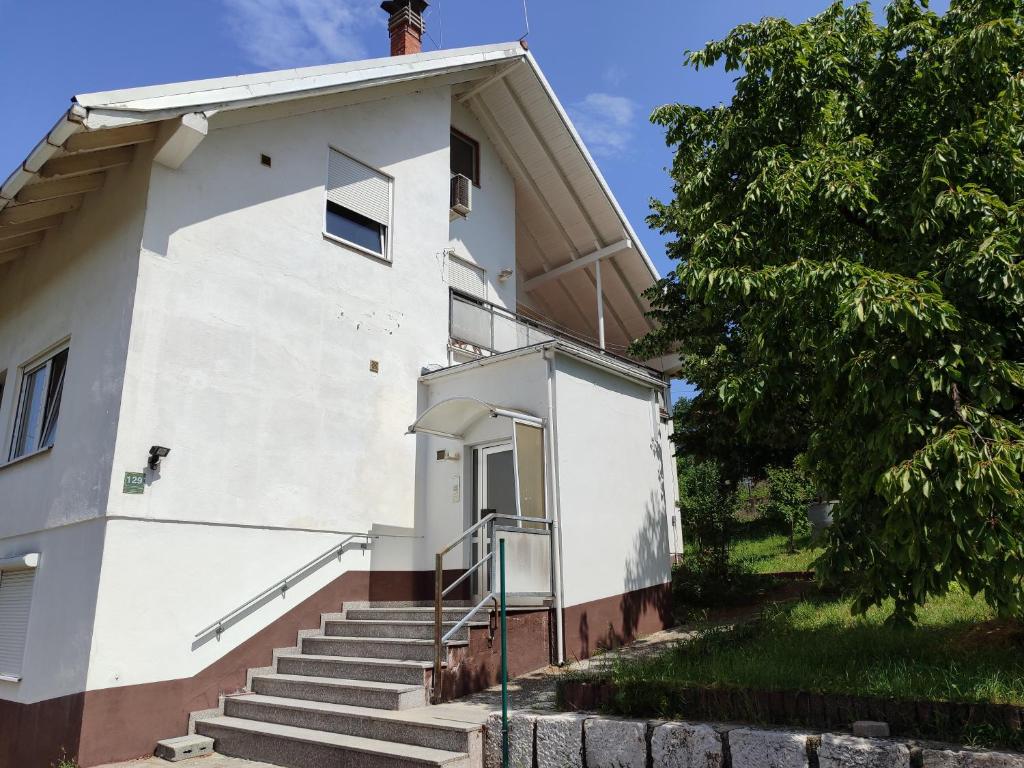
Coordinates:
x,y
766,552
955,654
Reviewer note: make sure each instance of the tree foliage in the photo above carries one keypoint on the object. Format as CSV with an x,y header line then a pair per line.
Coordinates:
x,y
849,237
790,492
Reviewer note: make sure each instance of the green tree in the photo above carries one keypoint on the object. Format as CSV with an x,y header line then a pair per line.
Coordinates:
x,y
790,492
849,229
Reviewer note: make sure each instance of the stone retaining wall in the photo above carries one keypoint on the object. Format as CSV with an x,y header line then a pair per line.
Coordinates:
x,y
575,740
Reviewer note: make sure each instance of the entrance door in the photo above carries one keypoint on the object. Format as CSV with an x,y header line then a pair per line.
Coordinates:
x,y
494,491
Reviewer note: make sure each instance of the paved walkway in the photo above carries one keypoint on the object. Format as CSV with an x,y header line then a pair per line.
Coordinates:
x,y
534,691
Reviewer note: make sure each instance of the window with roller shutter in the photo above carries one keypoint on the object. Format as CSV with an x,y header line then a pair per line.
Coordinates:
x,y
15,601
358,204
467,278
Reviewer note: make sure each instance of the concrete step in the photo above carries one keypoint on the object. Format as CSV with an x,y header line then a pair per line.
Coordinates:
x,y
374,648
411,630
451,614
359,693
418,728
293,747
357,668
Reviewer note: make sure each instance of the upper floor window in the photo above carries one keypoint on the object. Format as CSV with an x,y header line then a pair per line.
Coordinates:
x,y
35,425
465,156
467,278
358,206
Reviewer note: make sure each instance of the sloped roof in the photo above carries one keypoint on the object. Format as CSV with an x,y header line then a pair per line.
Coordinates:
x,y
567,215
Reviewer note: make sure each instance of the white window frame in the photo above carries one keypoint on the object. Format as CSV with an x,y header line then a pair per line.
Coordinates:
x,y
24,370
21,564
386,257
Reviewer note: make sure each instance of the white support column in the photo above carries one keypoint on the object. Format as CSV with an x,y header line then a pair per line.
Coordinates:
x,y
600,303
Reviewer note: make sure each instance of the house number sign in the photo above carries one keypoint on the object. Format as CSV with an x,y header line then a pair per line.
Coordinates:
x,y
134,482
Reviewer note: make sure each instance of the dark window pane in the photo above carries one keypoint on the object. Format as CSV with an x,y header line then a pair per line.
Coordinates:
x,y
464,153
357,229
53,398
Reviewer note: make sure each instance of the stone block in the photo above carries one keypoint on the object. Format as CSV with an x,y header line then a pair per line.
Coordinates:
x,y
184,747
752,748
838,751
686,745
559,741
871,729
615,743
520,740
947,758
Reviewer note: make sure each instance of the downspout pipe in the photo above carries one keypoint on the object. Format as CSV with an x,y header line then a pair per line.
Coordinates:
x,y
556,516
71,123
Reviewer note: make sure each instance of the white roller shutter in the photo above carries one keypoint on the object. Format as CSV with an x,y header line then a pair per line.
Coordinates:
x,y
359,188
466,277
15,600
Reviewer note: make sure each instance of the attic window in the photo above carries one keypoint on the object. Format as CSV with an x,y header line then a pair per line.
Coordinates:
x,y
465,156
358,205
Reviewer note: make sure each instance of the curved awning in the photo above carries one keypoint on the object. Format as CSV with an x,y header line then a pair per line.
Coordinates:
x,y
452,417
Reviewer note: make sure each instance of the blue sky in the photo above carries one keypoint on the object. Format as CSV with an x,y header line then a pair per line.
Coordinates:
x,y
610,62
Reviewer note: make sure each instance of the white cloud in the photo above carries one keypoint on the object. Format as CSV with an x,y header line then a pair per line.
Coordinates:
x,y
278,34
605,122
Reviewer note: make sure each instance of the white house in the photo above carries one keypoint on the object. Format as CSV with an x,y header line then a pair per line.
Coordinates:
x,y
364,306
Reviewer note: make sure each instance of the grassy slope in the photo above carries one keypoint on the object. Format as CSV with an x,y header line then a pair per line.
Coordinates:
x,y
956,653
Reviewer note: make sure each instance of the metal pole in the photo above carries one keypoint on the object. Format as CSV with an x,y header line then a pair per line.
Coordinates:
x,y
437,692
600,304
504,661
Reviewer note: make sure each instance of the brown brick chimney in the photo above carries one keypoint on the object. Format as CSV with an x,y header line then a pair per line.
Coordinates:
x,y
405,25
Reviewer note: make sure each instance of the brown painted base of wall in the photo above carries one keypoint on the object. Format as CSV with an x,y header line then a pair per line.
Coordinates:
x,y
124,723
40,734
478,665
613,621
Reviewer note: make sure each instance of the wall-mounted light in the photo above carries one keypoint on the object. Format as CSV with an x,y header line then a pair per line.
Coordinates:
x,y
505,274
156,453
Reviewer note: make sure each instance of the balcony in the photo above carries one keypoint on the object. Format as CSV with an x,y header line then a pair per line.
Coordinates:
x,y
478,328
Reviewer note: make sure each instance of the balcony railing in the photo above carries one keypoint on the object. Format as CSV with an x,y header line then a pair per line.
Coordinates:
x,y
480,328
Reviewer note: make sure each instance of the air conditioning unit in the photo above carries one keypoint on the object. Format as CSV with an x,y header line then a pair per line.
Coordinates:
x,y
461,195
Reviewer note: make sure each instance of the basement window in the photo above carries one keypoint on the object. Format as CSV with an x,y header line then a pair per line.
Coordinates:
x,y
465,156
42,387
358,205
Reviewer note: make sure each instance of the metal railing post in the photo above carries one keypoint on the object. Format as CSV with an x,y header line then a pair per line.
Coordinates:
x,y
504,660
438,627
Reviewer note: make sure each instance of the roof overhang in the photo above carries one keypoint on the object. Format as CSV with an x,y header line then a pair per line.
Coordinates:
x,y
568,221
453,417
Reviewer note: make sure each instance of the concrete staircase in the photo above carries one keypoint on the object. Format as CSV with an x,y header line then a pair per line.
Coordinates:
x,y
354,694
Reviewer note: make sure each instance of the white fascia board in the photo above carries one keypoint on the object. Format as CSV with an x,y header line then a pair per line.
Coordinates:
x,y
71,122
630,232
249,90
20,563
631,371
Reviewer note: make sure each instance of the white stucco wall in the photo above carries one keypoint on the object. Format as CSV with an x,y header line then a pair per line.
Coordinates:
x,y
615,528
487,237
80,284
250,358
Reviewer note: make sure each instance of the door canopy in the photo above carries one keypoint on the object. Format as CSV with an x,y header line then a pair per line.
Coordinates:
x,y
453,417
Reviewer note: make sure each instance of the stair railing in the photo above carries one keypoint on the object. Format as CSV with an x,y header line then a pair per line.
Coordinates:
x,y
441,638
360,541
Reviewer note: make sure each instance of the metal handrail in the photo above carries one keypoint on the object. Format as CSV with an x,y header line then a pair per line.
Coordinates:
x,y
440,636
281,585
